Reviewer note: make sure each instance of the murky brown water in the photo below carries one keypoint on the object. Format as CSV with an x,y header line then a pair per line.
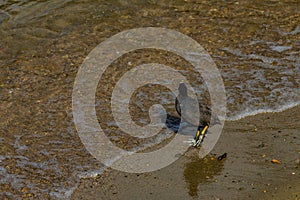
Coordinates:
x,y
200,171
255,45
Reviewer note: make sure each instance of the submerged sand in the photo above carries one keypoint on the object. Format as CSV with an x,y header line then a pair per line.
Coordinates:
x,y
247,173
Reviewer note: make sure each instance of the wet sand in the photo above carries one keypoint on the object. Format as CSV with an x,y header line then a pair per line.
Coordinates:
x,y
247,173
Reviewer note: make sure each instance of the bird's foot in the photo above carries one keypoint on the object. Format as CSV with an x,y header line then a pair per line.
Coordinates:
x,y
190,141
196,143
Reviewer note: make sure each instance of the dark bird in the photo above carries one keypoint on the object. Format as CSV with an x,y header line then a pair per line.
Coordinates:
x,y
187,108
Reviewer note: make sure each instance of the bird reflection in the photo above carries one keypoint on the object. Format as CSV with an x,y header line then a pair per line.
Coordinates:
x,y
200,170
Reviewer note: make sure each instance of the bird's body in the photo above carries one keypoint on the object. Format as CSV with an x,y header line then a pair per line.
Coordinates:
x,y
187,108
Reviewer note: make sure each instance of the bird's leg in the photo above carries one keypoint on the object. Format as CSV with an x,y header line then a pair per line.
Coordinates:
x,y
200,136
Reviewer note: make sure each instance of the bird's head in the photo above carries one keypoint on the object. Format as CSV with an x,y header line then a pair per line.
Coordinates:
x,y
182,89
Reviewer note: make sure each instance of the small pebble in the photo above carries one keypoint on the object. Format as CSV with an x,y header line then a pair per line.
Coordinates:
x,y
275,161
223,156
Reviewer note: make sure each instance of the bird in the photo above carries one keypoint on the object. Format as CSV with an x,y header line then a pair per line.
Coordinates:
x,y
187,108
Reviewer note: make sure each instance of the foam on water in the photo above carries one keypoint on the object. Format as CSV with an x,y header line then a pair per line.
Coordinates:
x,y
63,193
247,113
268,83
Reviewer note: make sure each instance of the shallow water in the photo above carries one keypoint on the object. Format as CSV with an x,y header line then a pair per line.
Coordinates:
x,y
255,46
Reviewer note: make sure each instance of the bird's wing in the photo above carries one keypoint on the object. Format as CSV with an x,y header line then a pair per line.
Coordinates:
x,y
177,106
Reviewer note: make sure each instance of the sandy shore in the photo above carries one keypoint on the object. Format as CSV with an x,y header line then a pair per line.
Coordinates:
x,y
247,172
